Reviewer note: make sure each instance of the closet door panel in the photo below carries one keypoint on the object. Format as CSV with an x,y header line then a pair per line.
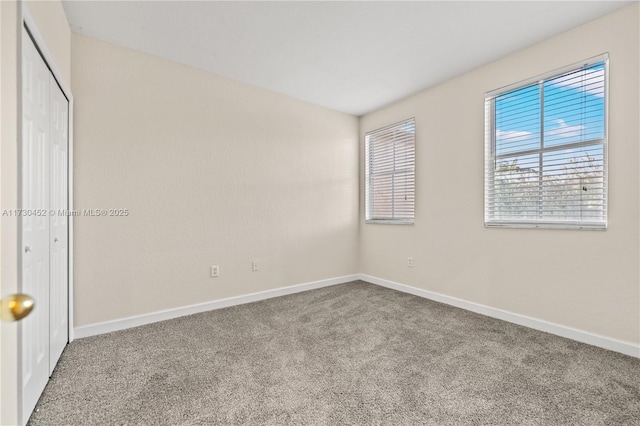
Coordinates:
x,y
59,119
34,217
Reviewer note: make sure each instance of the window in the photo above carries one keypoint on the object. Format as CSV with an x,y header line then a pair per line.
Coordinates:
x,y
546,150
390,173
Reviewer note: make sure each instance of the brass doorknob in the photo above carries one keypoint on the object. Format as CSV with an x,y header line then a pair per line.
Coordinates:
x,y
15,307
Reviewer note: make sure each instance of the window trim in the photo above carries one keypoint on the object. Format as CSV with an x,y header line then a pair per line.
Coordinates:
x,y
490,147
368,201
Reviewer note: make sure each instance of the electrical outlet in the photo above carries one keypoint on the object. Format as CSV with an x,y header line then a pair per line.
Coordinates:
x,y
410,262
255,266
215,271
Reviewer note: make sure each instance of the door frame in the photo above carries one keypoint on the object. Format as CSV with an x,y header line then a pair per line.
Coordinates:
x,y
29,23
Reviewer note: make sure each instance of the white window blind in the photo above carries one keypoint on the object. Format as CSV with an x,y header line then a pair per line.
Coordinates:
x,y
546,150
390,173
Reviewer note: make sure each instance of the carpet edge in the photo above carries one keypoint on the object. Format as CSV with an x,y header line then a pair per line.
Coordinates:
x,y
156,316
621,346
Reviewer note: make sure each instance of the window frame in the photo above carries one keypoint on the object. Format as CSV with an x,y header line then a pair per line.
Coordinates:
x,y
490,157
368,207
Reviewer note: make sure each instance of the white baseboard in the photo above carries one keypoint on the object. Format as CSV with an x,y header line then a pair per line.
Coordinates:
x,y
627,348
138,320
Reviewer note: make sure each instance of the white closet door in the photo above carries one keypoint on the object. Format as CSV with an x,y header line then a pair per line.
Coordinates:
x,y
58,298
35,224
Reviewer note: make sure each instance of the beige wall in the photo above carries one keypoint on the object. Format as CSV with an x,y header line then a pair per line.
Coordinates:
x,y
213,172
53,26
583,279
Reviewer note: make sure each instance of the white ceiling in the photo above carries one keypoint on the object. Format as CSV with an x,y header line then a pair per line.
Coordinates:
x,y
353,57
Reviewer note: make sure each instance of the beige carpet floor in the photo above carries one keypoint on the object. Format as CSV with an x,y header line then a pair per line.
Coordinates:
x,y
349,354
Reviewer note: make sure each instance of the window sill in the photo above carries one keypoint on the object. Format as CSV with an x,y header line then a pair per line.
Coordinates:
x,y
566,226
389,221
